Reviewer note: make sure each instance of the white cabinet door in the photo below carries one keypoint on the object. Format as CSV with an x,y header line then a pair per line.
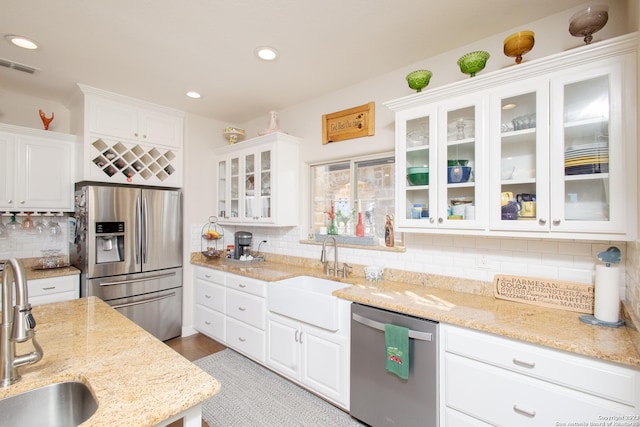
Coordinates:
x,y
107,117
283,348
324,365
46,181
160,129
7,172
590,161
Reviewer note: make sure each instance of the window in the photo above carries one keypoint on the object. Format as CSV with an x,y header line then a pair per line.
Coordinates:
x,y
363,186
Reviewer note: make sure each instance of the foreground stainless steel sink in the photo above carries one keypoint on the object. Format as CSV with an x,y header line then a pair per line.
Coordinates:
x,y
60,404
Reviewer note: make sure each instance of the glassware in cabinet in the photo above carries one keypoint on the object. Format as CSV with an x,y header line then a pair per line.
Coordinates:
x,y
459,163
588,162
418,180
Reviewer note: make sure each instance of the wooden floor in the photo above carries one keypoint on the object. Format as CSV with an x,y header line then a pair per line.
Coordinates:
x,y
192,348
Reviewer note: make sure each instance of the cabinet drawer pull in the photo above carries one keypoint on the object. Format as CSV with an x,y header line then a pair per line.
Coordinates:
x,y
241,308
206,322
241,339
296,337
300,337
242,285
523,364
49,288
207,296
208,276
523,412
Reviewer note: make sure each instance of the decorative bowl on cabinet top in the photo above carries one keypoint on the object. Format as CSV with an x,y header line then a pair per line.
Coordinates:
x,y
518,44
419,79
473,62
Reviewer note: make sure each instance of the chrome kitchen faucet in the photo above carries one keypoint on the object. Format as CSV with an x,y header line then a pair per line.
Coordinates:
x,y
17,324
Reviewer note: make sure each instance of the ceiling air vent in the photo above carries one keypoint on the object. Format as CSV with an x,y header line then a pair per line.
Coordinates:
x,y
17,66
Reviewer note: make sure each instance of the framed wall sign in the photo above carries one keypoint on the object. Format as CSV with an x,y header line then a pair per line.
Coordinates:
x,y
352,123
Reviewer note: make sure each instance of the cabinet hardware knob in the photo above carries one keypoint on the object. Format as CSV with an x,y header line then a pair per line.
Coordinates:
x,y
556,222
296,337
542,221
529,414
206,322
440,220
207,296
241,339
22,202
241,308
432,220
9,201
144,136
300,337
135,134
523,363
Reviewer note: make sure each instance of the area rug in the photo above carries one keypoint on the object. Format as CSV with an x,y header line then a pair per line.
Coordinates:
x,y
252,395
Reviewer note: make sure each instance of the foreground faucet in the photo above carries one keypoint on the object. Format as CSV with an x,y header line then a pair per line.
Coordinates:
x,y
17,324
323,259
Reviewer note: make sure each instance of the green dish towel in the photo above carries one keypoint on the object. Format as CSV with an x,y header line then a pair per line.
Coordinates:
x,y
396,339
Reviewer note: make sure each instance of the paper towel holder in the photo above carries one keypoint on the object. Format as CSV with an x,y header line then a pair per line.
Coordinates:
x,y
610,256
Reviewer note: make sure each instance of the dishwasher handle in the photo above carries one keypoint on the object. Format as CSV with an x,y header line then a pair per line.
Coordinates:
x,y
423,336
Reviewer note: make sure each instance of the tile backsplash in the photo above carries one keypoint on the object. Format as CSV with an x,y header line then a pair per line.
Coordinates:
x,y
30,244
469,257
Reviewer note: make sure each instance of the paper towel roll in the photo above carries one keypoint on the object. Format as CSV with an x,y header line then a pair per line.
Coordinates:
x,y
607,294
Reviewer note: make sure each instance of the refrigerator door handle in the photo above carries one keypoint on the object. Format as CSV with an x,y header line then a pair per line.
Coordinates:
x,y
145,301
136,232
145,231
143,279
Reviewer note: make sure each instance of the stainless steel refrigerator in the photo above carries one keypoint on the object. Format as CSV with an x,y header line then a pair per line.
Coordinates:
x,y
127,241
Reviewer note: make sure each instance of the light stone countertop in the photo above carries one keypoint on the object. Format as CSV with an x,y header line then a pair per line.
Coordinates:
x,y
34,273
439,298
136,379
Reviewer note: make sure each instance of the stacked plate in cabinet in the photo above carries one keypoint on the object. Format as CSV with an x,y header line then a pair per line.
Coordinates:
x,y
587,159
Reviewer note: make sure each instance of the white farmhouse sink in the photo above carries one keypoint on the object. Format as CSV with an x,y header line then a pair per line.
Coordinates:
x,y
307,299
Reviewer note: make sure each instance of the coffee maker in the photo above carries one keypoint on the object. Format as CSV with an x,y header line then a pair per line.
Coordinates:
x,y
242,241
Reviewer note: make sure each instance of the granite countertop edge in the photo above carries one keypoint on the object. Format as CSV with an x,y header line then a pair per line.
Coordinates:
x,y
524,322
136,379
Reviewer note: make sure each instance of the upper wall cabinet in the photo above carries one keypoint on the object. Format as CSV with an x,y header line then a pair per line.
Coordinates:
x,y
545,148
36,169
257,181
130,141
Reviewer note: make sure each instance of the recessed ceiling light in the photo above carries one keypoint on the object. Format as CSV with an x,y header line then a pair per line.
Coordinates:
x,y
267,53
22,42
509,106
192,94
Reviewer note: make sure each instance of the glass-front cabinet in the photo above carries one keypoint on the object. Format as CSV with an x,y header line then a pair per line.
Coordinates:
x,y
439,166
248,192
545,149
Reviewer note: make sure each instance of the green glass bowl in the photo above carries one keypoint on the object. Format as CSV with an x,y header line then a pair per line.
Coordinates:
x,y
473,62
419,79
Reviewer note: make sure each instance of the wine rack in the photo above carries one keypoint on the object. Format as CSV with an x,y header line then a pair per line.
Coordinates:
x,y
121,161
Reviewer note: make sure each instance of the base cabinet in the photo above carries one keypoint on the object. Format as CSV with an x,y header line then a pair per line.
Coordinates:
x,y
54,289
209,311
310,356
498,381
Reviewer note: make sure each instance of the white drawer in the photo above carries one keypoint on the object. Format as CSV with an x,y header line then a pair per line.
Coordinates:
x,y
246,308
210,295
210,275
246,339
49,298
53,285
210,322
580,373
501,397
453,418
246,284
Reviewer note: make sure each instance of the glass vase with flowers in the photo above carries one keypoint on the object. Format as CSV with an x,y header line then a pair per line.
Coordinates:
x,y
333,227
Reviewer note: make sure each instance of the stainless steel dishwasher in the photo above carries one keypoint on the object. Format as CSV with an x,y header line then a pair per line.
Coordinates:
x,y
380,398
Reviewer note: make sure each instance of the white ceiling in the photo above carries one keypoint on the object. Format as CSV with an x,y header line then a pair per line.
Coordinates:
x,y
157,50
